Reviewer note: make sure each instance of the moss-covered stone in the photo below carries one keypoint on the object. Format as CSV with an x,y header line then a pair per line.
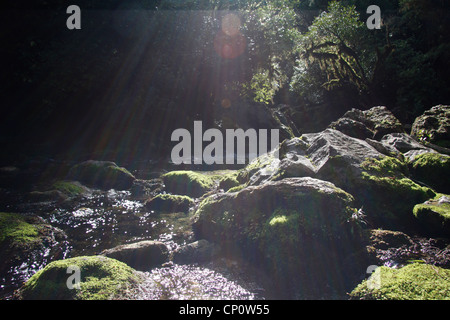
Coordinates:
x,y
101,174
190,183
237,188
170,203
290,226
416,281
70,188
388,195
101,278
432,169
434,215
228,182
15,230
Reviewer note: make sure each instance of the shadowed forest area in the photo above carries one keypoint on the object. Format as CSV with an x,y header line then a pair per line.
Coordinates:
x,y
139,69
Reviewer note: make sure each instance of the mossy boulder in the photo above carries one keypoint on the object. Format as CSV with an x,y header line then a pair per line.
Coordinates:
x,y
417,281
195,183
190,183
432,169
70,188
101,174
228,182
169,203
434,216
59,191
101,278
328,155
16,230
291,226
405,144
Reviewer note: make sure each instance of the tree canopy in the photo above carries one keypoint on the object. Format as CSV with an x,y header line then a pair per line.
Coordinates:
x,y
168,61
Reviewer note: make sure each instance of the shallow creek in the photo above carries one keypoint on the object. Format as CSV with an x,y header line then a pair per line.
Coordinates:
x,y
106,219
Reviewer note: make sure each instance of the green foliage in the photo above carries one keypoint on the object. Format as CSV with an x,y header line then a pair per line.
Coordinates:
x,y
272,33
334,47
416,281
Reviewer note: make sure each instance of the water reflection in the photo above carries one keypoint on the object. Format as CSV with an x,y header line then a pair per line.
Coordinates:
x,y
191,282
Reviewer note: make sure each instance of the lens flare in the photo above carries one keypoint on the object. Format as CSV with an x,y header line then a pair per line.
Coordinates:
x,y
229,43
231,24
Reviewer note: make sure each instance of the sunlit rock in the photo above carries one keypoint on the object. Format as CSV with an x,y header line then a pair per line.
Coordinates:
x,y
416,281
373,123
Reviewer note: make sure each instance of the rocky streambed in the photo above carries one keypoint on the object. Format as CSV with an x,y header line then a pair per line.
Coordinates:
x,y
334,211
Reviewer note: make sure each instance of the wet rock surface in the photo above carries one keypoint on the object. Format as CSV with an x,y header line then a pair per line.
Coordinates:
x,y
143,255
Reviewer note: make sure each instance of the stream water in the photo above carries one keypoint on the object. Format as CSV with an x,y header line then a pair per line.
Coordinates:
x,y
104,220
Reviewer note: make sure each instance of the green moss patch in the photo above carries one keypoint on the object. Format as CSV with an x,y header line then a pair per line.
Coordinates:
x,y
434,215
188,183
70,188
14,229
170,203
416,281
386,166
432,169
101,278
195,184
389,195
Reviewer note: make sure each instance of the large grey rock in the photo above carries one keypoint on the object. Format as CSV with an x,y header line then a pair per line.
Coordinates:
x,y
291,226
373,123
405,144
142,255
329,155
